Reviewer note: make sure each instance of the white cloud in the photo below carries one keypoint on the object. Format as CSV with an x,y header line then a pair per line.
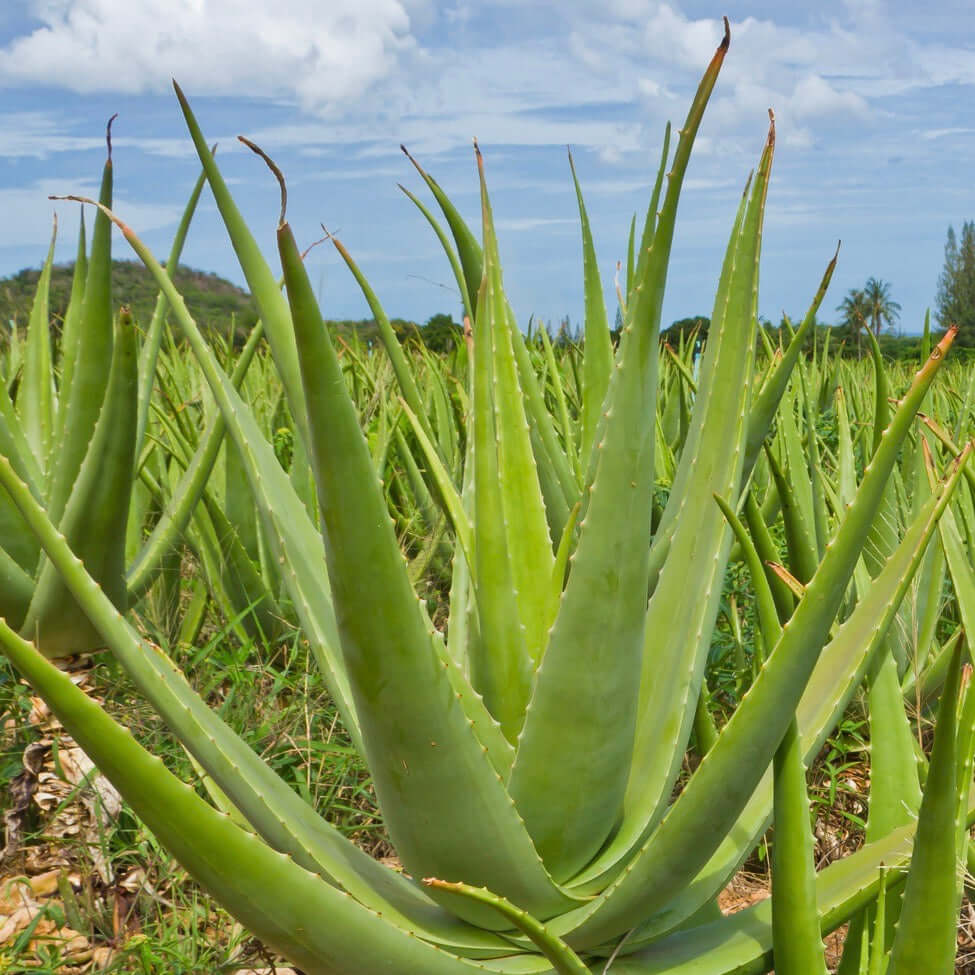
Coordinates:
x,y
533,223
28,213
321,53
814,96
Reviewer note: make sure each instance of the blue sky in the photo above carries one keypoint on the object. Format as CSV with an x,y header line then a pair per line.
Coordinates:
x,y
876,135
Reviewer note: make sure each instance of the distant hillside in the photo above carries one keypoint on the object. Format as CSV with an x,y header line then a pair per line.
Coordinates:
x,y
213,301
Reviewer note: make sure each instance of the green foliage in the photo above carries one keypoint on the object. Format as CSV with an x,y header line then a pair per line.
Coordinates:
x,y
956,284
441,333
220,304
529,750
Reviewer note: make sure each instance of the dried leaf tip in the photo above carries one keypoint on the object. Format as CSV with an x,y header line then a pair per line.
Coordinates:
x,y
108,135
272,165
726,40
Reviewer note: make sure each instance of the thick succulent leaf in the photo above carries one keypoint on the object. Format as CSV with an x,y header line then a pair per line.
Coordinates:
x,y
150,347
279,901
178,511
558,386
529,546
260,280
401,368
598,350
428,767
449,250
767,401
677,626
564,960
81,400
593,660
275,811
71,326
36,398
16,540
296,542
838,673
468,249
741,943
96,513
925,941
796,939
500,666
706,811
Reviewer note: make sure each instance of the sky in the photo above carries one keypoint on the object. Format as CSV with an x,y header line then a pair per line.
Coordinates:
x,y
876,136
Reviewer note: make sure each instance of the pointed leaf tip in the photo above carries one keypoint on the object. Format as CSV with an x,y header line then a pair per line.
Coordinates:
x,y
108,136
273,166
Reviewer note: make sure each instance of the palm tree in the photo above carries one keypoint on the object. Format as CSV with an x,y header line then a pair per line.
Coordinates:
x,y
855,312
880,307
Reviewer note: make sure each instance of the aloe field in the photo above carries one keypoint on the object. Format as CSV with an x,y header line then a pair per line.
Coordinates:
x,y
616,655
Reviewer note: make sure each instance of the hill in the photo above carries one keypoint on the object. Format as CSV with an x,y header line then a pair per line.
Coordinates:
x,y
213,301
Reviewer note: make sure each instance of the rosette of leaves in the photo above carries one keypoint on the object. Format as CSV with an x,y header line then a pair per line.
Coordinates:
x,y
526,763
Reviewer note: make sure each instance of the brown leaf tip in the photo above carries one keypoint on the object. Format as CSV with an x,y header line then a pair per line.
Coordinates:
x,y
278,175
108,135
726,40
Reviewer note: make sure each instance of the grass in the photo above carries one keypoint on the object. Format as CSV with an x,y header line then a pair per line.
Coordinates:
x,y
147,916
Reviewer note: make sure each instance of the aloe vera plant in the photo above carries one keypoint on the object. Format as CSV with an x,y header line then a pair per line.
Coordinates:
x,y
525,764
74,429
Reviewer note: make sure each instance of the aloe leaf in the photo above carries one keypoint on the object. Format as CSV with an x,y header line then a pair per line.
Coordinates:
x,y
604,606
230,567
499,661
598,359
742,942
796,491
154,334
630,258
178,512
71,327
562,404
426,763
453,503
799,532
926,937
81,401
279,901
449,250
881,392
528,542
679,620
260,279
96,513
297,543
767,401
796,939
839,671
895,791
564,960
16,590
719,791
16,540
556,476
468,249
36,399
814,465
769,554
765,608
404,375
277,813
